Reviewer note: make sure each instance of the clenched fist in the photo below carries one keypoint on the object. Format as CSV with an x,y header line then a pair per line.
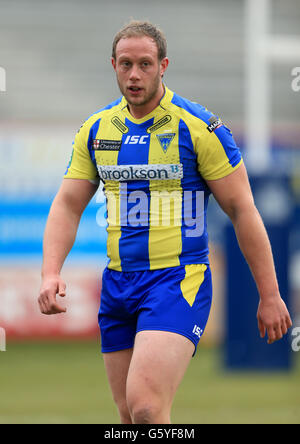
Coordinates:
x,y
50,288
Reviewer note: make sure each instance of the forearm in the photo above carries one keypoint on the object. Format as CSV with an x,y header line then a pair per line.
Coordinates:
x,y
59,237
255,246
235,197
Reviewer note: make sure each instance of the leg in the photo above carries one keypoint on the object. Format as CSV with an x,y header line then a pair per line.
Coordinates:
x,y
158,364
117,365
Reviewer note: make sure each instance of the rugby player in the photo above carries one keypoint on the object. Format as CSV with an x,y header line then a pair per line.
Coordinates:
x,y
156,289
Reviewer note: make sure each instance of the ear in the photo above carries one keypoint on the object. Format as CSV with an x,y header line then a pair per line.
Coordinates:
x,y
113,62
163,66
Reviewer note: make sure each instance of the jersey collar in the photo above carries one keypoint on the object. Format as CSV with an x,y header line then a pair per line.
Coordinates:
x,y
163,106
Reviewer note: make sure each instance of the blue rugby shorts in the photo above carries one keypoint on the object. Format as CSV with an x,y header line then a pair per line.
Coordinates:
x,y
176,299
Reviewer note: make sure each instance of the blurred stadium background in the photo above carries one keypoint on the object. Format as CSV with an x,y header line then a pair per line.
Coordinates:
x,y
56,57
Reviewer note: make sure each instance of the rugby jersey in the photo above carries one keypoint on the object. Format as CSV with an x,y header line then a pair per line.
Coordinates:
x,y
154,172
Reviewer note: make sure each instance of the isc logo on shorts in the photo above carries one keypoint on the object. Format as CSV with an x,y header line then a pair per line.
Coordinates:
x,y
197,331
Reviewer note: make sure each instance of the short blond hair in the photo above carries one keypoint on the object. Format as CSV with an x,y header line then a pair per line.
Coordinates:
x,y
136,28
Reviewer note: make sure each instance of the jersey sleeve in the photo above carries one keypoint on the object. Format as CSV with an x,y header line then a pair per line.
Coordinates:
x,y
217,153
81,165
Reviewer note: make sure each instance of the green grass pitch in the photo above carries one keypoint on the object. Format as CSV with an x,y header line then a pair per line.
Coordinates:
x,y
65,382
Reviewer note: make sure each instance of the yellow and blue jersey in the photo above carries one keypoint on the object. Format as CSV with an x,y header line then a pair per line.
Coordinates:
x,y
154,171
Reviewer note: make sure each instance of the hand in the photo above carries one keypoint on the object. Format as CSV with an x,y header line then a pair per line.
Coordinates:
x,y
51,286
273,317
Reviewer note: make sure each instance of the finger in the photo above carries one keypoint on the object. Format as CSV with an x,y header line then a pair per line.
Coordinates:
x,y
62,289
286,324
46,303
52,307
41,305
261,328
271,335
288,321
284,328
55,309
278,332
43,300
274,333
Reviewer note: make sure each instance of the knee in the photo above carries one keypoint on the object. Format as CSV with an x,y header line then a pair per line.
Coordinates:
x,y
148,411
145,413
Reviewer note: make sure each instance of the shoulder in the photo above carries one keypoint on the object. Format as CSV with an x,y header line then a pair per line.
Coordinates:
x,y
94,118
199,119
190,109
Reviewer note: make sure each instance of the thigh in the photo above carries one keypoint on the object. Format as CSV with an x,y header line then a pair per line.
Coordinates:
x,y
157,367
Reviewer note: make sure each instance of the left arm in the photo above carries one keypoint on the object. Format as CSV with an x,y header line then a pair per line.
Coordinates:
x,y
234,195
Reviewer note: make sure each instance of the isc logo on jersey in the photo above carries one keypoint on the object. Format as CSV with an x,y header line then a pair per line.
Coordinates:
x,y
134,140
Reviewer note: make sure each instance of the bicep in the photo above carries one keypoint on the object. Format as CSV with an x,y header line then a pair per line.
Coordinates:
x,y
233,192
75,194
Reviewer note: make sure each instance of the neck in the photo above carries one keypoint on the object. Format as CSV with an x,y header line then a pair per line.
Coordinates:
x,y
140,111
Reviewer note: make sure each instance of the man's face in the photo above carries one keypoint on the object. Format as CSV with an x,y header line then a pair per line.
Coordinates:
x,y
139,71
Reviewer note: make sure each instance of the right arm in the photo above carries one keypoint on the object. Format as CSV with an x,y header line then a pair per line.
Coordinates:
x,y
60,233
